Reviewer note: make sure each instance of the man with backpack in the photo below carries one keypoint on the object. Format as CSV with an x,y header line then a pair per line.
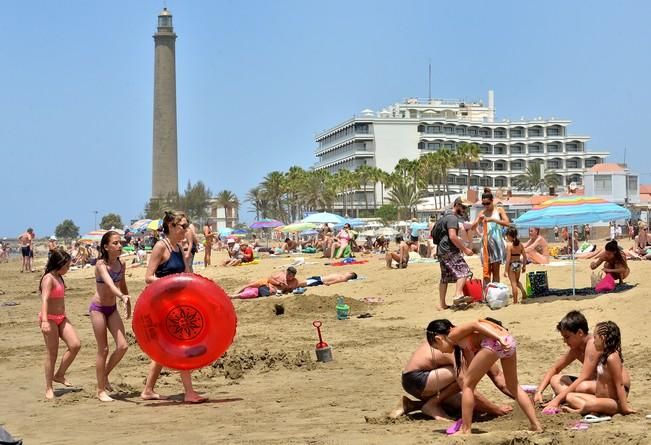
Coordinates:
x,y
449,251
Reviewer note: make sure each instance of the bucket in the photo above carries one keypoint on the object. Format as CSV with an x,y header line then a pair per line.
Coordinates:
x,y
324,354
342,311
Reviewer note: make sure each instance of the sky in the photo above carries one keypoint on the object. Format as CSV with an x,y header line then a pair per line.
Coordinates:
x,y
257,80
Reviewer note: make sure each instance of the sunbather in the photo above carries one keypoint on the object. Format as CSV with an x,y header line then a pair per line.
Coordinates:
x,y
328,280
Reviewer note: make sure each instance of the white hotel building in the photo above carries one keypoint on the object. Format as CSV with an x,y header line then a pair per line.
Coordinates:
x,y
415,127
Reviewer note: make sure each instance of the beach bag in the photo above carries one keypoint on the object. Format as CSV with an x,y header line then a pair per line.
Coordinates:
x,y
536,283
606,285
474,287
497,295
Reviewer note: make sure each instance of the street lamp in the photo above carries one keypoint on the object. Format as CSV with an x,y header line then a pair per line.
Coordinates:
x,y
95,212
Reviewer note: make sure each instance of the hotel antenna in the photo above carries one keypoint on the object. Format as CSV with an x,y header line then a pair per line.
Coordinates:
x,y
429,96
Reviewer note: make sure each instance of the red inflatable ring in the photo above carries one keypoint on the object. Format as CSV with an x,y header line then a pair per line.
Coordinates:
x,y
184,321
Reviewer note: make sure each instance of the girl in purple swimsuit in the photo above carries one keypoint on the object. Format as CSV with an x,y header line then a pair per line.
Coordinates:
x,y
110,285
483,342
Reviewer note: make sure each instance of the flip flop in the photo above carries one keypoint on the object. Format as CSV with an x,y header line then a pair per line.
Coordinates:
x,y
456,426
591,418
462,299
578,426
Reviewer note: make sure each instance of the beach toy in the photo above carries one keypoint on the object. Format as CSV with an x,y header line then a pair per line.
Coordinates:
x,y
184,321
343,309
323,351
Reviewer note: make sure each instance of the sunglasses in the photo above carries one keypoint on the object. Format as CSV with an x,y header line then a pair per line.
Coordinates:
x,y
183,226
486,204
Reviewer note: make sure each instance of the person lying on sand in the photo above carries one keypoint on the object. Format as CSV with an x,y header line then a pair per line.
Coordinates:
x,y
281,282
430,377
328,280
574,330
613,380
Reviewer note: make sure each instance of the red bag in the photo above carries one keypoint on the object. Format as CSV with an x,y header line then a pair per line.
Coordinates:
x,y
474,287
606,285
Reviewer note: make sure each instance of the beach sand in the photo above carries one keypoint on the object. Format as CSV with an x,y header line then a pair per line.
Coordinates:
x,y
269,389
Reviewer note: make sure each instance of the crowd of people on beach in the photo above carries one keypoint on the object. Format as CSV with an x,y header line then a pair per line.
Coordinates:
x,y
441,375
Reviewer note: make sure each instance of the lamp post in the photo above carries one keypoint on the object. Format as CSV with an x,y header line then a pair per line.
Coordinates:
x,y
95,212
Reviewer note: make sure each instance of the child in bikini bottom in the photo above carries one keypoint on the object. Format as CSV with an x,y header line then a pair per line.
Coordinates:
x,y
495,346
56,318
106,310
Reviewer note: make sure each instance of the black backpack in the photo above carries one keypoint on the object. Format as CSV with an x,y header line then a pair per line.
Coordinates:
x,y
438,231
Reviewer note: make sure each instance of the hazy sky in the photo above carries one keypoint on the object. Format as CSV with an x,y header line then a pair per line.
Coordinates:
x,y
257,79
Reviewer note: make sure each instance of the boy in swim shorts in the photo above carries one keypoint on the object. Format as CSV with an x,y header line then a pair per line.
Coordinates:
x,y
328,280
574,330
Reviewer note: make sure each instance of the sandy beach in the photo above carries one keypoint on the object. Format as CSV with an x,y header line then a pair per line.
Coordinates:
x,y
269,388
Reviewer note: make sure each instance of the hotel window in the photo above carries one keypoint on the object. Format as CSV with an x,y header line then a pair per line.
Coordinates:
x,y
572,163
472,132
484,133
553,148
430,129
517,165
572,147
631,184
536,148
517,149
449,145
603,184
449,130
590,163
433,145
486,150
516,133
535,132
553,164
485,165
500,150
500,134
553,131
500,182
461,131
500,166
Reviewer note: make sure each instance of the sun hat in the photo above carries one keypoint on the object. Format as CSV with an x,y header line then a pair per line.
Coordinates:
x,y
53,238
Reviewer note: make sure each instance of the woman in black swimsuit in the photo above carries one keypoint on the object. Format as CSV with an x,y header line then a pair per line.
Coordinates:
x,y
167,258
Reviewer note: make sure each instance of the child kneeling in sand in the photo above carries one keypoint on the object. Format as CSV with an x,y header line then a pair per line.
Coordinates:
x,y
435,378
574,330
485,341
613,380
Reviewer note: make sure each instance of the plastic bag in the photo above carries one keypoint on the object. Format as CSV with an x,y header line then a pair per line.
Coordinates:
x,y
497,295
606,285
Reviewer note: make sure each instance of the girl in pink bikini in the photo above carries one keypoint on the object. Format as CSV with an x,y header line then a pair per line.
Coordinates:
x,y
110,285
482,342
53,320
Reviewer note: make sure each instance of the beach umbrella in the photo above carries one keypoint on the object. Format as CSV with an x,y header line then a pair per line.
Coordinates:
x,y
296,227
368,233
225,231
155,224
266,223
140,225
94,236
572,211
386,231
324,217
373,225
309,232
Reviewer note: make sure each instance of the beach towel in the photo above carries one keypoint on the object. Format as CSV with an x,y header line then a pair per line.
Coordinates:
x,y
583,291
486,264
346,262
7,439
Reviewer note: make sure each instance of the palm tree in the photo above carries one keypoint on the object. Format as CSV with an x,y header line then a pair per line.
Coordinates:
x,y
294,182
384,179
467,154
229,202
404,195
448,161
365,174
429,171
535,179
273,186
256,197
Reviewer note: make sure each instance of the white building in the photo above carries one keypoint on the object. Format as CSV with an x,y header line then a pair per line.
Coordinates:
x,y
415,127
613,182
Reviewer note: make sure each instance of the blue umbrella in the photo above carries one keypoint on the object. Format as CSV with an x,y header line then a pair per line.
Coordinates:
x,y
225,231
572,211
266,223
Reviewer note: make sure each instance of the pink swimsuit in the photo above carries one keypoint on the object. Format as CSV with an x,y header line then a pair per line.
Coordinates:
x,y
494,345
57,292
